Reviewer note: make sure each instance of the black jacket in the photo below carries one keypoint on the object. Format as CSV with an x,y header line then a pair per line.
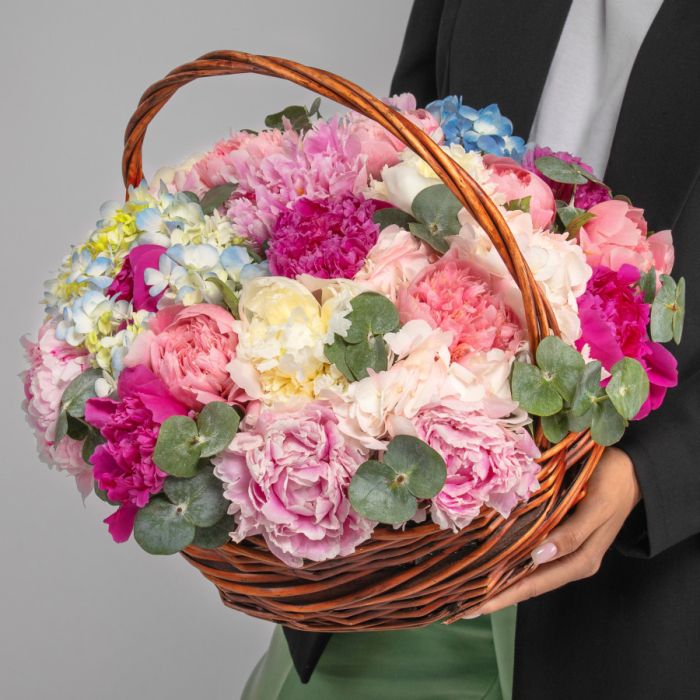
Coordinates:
x,y
633,630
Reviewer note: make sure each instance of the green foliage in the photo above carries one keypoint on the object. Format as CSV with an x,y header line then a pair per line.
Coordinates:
x,y
161,527
521,204
647,285
435,209
668,311
217,197
72,407
388,491
299,116
217,424
230,297
392,216
216,535
628,387
558,170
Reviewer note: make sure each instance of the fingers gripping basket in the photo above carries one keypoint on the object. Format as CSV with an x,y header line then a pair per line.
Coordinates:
x,y
399,578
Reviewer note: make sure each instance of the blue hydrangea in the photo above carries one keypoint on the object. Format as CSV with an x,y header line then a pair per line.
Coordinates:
x,y
484,129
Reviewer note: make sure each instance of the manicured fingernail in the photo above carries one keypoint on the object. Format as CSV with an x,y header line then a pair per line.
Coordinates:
x,y
544,553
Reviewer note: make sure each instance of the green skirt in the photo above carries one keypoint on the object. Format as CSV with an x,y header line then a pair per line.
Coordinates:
x,y
468,660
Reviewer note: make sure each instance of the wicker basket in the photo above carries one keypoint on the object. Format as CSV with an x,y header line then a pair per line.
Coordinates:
x,y
398,578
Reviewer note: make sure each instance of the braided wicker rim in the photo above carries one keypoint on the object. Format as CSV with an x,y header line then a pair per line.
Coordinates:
x,y
421,574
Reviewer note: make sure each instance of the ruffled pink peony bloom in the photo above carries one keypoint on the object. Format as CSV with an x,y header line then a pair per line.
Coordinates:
x,y
129,284
490,458
381,147
453,296
287,478
586,196
53,364
614,320
617,236
515,182
325,238
123,464
394,261
188,347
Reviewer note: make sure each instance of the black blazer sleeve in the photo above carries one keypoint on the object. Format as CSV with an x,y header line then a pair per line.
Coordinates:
x,y
416,71
665,447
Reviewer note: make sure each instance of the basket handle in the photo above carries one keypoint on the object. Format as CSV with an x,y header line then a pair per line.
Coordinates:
x,y
539,316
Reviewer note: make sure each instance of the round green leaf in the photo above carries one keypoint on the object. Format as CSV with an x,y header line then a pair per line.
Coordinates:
x,y
577,424
392,216
423,468
372,314
335,354
217,424
647,284
520,204
61,427
555,427
607,426
215,536
559,171
376,494
217,197
367,354
79,391
438,208
177,448
430,236
679,314
662,310
93,439
533,392
201,498
588,389
561,363
628,387
161,528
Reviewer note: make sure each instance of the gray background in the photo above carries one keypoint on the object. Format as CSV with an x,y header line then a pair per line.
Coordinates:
x,y
81,617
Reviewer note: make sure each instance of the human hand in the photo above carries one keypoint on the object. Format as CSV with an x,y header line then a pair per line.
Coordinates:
x,y
575,549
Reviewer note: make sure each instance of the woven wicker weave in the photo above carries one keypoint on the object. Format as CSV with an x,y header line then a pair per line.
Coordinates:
x,y
399,578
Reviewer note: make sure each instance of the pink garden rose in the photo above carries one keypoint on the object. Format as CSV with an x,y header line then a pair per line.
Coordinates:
x,y
515,182
614,320
327,238
287,478
123,464
396,258
130,285
53,365
617,236
188,347
453,296
490,458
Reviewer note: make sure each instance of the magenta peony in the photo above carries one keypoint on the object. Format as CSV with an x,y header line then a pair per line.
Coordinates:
x,y
614,320
453,296
325,238
617,236
490,458
586,195
515,182
287,478
123,464
188,347
53,364
129,284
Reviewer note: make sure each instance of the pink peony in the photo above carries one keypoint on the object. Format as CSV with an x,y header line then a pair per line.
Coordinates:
x,y
453,296
617,236
490,458
287,478
381,147
53,364
123,464
586,195
396,258
614,320
325,238
129,284
515,182
188,347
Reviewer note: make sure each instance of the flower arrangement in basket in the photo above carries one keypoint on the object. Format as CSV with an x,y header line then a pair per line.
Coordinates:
x,y
354,369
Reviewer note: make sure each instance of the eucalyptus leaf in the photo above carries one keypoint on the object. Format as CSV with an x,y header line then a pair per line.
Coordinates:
x,y
370,353
92,440
662,310
177,449
679,313
607,426
556,169
520,204
201,498
628,387
161,527
577,424
392,216
588,390
575,224
533,392
79,391
102,494
425,233
437,208
77,428
377,493
561,364
335,354
423,469
372,314
61,427
215,536
555,427
191,196
217,424
647,284
217,197
298,116
229,296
